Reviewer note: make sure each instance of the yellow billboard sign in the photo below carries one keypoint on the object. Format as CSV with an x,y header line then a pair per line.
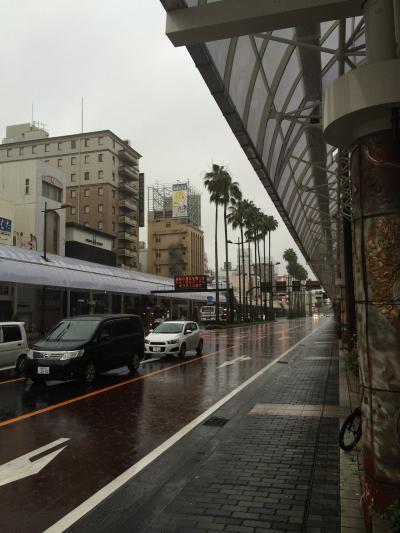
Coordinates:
x,y
180,200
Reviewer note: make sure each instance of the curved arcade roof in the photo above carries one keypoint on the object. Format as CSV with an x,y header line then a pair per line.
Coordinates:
x,y
269,86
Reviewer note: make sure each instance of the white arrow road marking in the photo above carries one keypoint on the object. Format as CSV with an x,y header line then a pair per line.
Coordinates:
x,y
236,360
26,465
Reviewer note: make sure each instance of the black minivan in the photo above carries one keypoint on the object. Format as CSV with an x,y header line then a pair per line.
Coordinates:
x,y
82,346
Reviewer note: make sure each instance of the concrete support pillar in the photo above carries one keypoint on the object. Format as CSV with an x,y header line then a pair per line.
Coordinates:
x,y
380,30
122,303
360,114
91,305
15,302
68,303
375,169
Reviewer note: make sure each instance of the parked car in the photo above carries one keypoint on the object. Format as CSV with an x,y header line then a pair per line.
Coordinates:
x,y
13,345
174,337
83,346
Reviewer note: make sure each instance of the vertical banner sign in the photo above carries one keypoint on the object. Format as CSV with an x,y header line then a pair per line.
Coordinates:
x,y
179,200
141,199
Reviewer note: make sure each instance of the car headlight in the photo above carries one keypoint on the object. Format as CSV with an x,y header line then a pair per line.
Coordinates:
x,y
146,340
71,355
173,341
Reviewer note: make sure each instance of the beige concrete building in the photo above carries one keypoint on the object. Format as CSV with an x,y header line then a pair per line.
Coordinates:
x,y
26,187
175,247
102,179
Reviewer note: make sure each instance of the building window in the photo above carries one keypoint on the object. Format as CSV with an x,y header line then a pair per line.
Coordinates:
x,y
73,210
21,151
100,224
113,176
100,174
59,162
158,254
73,160
158,239
33,149
9,152
73,177
73,144
158,270
27,186
113,209
86,159
113,143
100,141
100,208
113,193
86,192
86,142
86,175
47,160
73,193
101,191
51,192
46,147
113,226
59,146
113,159
100,158
86,209
168,225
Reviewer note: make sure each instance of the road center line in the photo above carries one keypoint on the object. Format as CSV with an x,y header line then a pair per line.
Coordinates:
x,y
12,380
69,519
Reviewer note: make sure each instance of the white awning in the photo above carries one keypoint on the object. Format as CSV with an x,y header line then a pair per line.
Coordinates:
x,y
18,265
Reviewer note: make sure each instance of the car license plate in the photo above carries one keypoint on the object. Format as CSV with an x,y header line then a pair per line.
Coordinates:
x,y
156,349
43,370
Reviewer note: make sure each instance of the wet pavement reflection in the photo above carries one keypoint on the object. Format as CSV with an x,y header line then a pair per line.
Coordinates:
x,y
121,418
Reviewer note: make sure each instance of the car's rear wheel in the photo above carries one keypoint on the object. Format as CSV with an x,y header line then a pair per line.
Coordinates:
x,y
20,364
134,363
199,349
182,351
90,373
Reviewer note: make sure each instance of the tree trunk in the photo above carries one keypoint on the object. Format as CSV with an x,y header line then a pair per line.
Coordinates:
x,y
250,292
244,300
255,273
271,294
229,303
216,267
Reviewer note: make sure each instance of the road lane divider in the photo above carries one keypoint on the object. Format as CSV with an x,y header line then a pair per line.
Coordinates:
x,y
12,380
76,514
106,389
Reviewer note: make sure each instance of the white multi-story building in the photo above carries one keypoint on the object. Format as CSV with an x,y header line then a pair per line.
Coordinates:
x,y
102,180
26,188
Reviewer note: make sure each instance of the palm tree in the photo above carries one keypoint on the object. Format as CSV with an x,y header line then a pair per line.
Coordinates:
x,y
271,224
236,218
230,194
251,234
212,182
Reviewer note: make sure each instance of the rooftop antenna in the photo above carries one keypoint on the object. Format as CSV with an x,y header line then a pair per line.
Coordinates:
x,y
32,115
82,116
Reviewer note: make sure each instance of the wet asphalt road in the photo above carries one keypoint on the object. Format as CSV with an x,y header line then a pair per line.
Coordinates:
x,y
113,424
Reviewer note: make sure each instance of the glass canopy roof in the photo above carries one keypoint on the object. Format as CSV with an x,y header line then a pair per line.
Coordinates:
x,y
269,87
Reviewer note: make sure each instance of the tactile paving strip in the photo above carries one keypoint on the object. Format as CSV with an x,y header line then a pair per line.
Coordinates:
x,y
279,409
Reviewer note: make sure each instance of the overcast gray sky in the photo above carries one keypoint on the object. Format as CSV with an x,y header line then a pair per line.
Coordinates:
x,y
134,82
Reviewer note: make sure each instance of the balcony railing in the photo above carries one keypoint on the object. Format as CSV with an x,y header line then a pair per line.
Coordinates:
x,y
124,155
128,172
128,188
128,221
127,252
127,204
126,236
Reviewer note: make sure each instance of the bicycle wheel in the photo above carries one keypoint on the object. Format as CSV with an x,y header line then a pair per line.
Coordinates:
x,y
351,431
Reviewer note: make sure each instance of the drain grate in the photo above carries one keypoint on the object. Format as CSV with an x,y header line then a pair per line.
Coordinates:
x,y
215,421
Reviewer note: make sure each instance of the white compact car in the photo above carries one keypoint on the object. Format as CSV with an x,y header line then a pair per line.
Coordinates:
x,y
13,345
174,337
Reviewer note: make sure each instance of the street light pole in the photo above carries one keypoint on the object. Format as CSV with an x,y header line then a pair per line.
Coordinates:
x,y
240,282
45,211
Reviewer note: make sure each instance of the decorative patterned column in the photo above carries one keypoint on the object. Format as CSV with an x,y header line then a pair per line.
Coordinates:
x,y
375,172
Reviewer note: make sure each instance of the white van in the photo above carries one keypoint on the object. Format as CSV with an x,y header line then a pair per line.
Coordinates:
x,y
13,345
